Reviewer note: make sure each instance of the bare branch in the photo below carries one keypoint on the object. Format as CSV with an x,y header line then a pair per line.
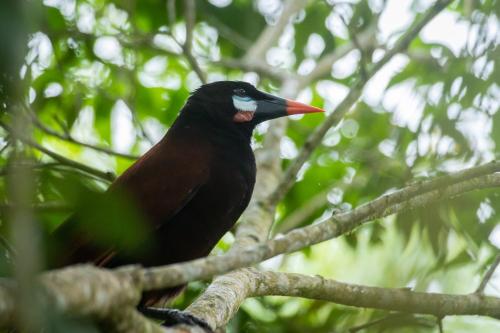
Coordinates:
x,y
250,282
392,299
428,185
99,294
233,288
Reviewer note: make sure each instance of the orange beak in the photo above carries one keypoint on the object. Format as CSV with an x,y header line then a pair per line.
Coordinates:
x,y
293,107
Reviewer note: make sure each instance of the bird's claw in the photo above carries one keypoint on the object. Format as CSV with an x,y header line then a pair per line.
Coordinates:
x,y
173,317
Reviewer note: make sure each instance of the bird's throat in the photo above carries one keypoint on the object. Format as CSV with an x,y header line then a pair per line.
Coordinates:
x,y
243,116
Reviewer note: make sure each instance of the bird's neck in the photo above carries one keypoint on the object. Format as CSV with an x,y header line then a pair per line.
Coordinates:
x,y
225,134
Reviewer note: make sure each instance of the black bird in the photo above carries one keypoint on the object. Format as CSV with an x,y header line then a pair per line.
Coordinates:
x,y
194,184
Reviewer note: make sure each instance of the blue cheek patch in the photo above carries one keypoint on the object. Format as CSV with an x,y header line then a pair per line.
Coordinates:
x,y
244,103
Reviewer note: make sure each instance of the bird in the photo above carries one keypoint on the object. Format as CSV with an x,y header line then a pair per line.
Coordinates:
x,y
192,186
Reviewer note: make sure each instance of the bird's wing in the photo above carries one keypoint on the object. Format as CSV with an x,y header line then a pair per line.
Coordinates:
x,y
165,179
160,183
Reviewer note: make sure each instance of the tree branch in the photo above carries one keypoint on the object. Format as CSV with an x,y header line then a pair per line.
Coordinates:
x,y
250,282
100,294
392,299
354,93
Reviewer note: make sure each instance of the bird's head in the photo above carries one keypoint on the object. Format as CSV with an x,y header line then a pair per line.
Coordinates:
x,y
237,102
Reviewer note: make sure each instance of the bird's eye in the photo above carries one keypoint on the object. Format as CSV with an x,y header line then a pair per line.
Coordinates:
x,y
240,92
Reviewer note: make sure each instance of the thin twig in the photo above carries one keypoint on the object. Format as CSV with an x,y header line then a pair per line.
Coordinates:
x,y
67,137
171,13
190,16
439,320
231,35
363,62
108,176
7,144
487,277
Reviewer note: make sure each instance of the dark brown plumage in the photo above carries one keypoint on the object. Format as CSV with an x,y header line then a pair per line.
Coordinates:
x,y
194,184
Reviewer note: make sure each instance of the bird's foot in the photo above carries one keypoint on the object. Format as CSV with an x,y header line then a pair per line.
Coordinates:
x,y
171,317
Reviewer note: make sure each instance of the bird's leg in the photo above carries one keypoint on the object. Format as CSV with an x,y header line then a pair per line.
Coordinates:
x,y
171,317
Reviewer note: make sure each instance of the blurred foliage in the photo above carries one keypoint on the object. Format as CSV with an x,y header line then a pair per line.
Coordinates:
x,y
109,73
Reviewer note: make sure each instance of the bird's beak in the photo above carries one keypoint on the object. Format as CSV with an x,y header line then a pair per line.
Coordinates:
x,y
294,107
275,107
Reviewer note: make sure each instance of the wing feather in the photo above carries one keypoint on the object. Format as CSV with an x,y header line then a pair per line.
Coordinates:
x,y
160,183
